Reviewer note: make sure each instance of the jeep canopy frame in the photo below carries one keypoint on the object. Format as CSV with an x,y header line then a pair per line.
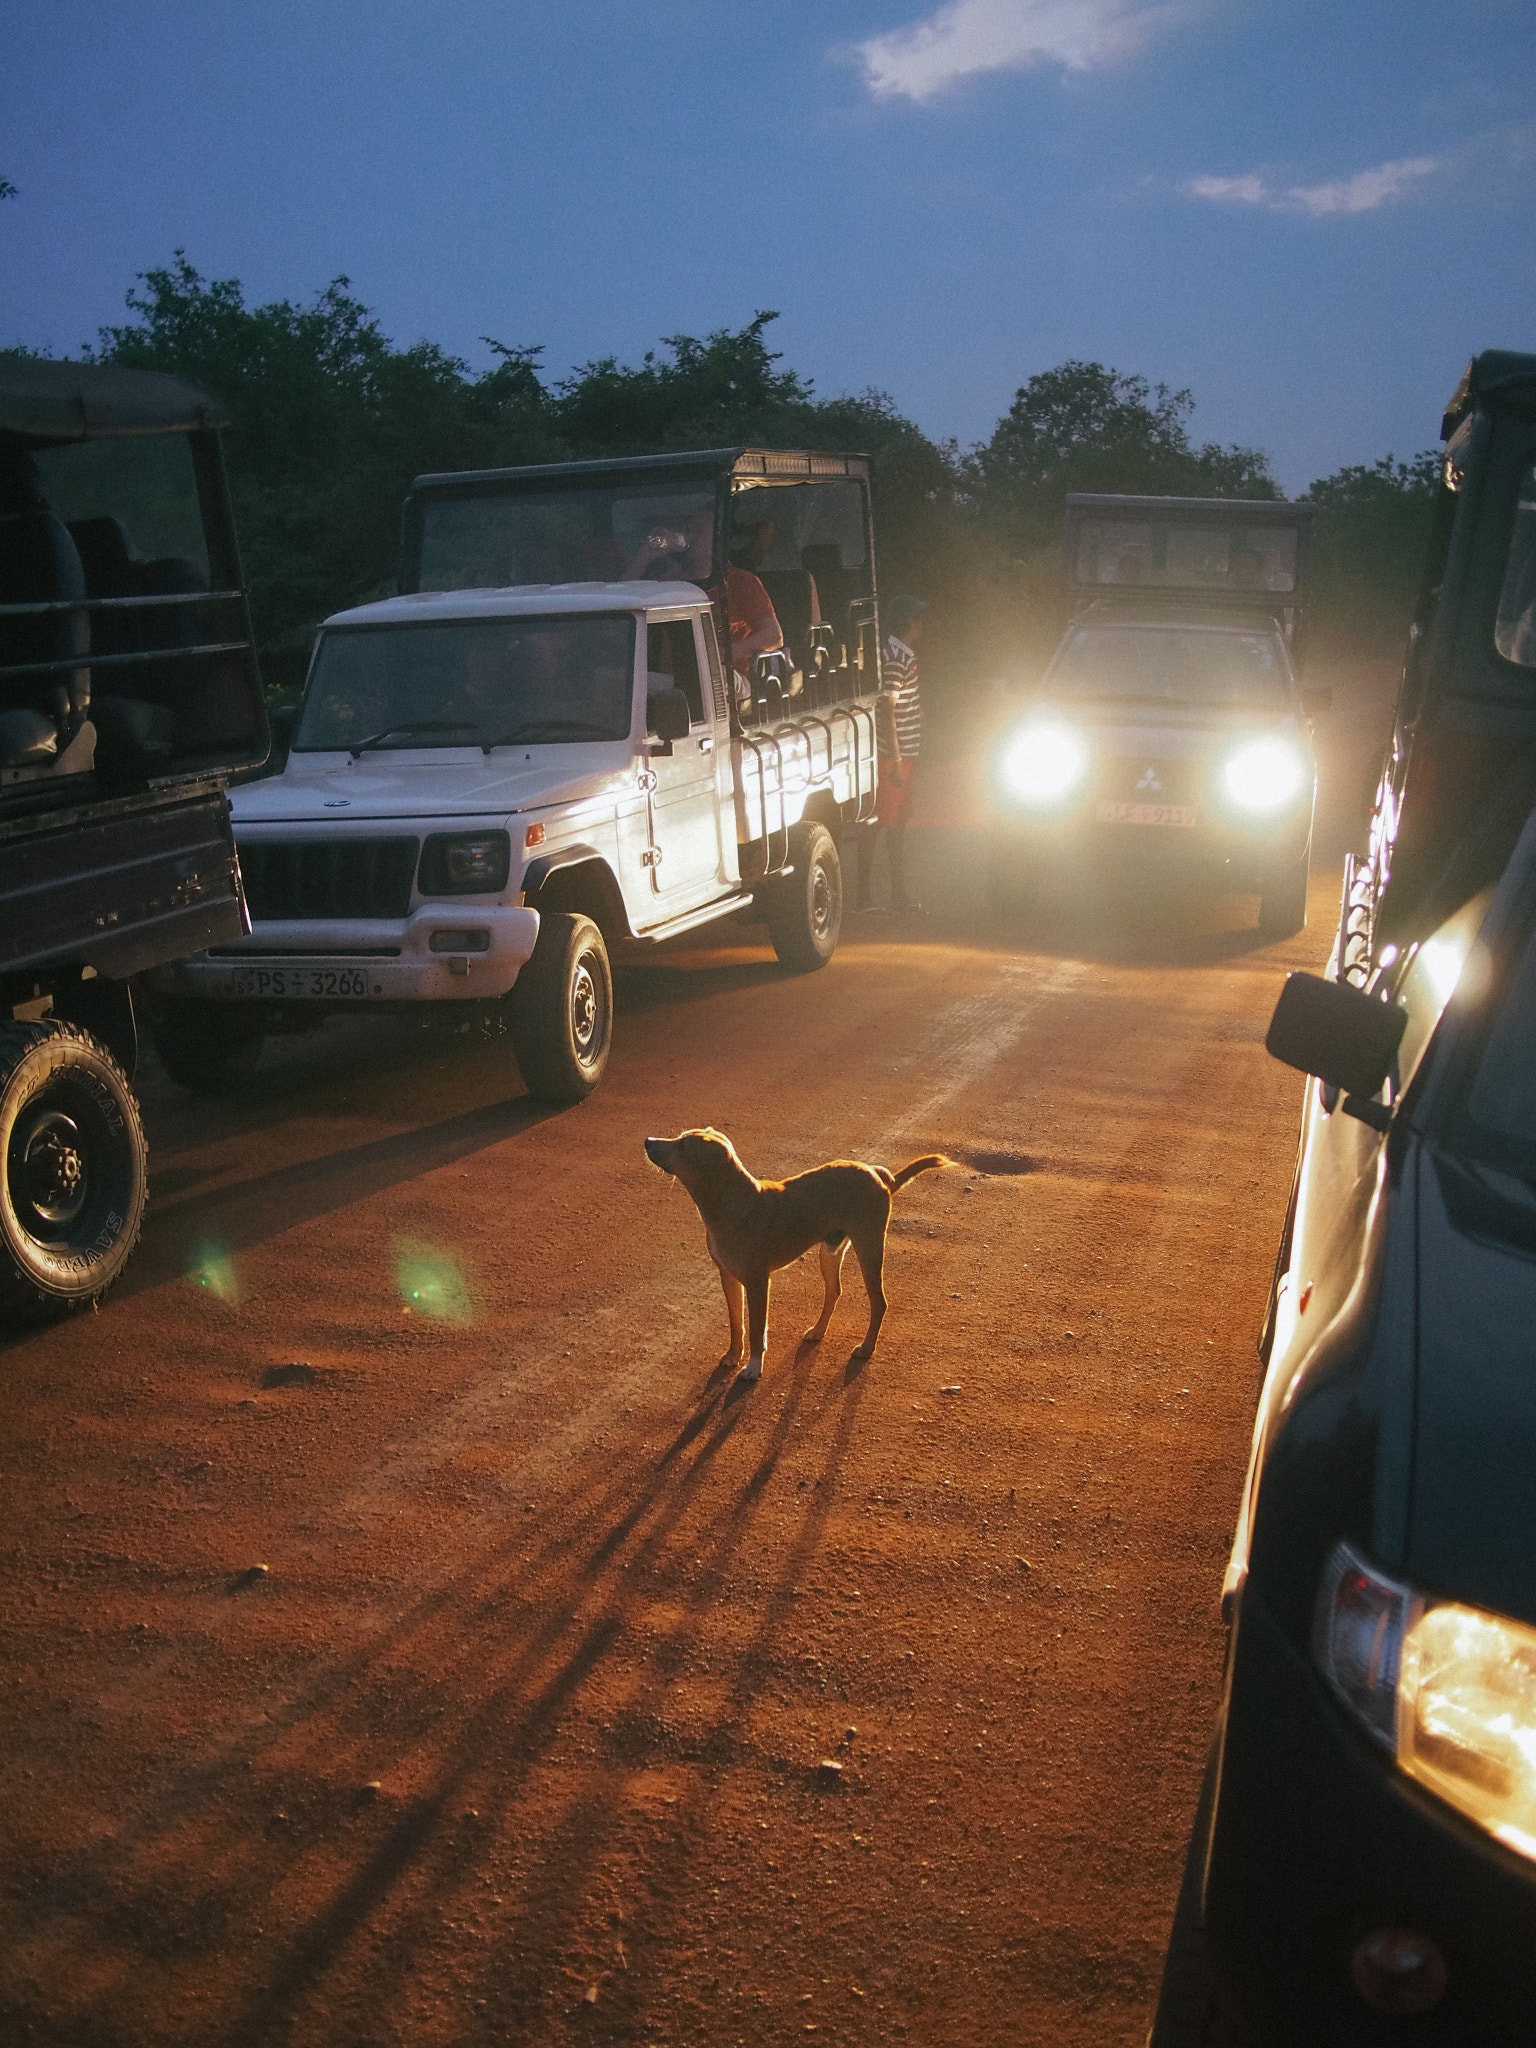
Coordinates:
x,y
1191,555
799,519
126,657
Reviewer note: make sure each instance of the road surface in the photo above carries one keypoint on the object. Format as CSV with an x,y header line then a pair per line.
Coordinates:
x,y
411,1638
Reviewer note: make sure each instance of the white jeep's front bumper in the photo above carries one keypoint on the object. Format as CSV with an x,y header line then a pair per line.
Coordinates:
x,y
362,960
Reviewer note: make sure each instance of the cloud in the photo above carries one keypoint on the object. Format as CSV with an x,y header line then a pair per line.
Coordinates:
x,y
1362,193
970,36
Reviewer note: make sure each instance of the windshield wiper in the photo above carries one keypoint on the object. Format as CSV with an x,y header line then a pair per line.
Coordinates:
x,y
549,728
390,732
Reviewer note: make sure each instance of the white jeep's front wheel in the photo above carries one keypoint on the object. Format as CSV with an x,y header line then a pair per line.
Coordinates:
x,y
561,1009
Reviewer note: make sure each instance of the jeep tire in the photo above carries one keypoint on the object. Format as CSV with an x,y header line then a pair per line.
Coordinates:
x,y
75,1170
805,907
561,1010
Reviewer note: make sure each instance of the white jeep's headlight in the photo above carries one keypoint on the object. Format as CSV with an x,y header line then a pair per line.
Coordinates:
x,y
1449,1691
1265,775
1044,761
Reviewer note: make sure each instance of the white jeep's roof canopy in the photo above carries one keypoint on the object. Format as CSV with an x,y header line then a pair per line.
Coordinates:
x,y
521,601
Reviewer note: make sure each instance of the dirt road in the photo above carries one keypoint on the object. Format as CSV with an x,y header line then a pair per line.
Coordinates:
x,y
410,1639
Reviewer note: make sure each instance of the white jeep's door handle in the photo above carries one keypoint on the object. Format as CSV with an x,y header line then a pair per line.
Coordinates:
x,y
706,745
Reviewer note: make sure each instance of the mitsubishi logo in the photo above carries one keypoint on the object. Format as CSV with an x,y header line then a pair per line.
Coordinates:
x,y
1149,780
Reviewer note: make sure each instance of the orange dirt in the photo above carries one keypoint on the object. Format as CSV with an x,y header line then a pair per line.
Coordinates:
x,y
410,1639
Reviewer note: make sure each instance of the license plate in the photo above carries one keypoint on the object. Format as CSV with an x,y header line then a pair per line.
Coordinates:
x,y
301,984
1146,814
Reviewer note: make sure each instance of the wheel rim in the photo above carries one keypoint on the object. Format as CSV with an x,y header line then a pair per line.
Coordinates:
x,y
823,901
587,1011
49,1172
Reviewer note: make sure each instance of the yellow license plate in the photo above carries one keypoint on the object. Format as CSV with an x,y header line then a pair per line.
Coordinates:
x,y
1146,814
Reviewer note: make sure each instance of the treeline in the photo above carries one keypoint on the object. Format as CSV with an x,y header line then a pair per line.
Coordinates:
x,y
331,421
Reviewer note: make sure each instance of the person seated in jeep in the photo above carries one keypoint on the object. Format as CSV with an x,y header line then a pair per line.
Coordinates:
x,y
687,552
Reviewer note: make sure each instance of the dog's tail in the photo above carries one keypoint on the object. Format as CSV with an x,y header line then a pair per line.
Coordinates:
x,y
923,1165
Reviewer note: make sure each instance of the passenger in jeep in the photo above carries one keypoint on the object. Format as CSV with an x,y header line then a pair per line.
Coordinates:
x,y
687,552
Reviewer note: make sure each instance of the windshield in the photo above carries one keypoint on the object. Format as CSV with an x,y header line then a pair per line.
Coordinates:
x,y
130,504
480,682
1500,1111
1514,632
1172,664
1168,555
608,533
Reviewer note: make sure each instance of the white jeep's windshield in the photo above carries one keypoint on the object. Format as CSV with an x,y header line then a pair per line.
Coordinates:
x,y
479,682
1173,664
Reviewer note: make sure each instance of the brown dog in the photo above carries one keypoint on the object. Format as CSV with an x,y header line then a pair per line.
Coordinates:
x,y
752,1227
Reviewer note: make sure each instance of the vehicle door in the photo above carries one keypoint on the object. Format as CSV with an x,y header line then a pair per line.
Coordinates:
x,y
684,844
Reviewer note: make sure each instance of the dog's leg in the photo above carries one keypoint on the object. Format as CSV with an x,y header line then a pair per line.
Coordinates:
x,y
869,1250
733,1308
757,1327
832,1281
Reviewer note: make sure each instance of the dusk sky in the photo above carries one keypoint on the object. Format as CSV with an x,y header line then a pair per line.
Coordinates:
x,y
1309,213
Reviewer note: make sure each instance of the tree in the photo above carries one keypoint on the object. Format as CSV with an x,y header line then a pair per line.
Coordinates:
x,y
1372,528
1083,427
329,422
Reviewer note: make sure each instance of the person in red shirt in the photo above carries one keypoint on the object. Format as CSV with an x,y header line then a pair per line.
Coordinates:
x,y
687,552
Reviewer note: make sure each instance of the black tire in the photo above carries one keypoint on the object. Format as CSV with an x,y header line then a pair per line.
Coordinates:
x,y
1190,2012
561,1009
76,1170
805,910
206,1048
1283,902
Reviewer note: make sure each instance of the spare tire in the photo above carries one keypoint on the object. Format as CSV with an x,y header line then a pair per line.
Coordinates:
x,y
75,1169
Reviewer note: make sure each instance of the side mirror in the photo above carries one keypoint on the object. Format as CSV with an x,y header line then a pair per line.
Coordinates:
x,y
1315,702
1339,1033
666,715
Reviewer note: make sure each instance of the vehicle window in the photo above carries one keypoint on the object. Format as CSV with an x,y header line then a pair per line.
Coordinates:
x,y
1156,554
133,502
1172,664
1514,632
773,524
605,534
1501,1102
480,682
671,652
1431,980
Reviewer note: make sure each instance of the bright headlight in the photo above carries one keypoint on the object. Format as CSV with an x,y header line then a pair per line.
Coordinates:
x,y
1044,762
1265,775
1450,1691
1466,1717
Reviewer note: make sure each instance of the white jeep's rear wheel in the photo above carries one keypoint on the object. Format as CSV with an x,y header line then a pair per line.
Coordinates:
x,y
805,908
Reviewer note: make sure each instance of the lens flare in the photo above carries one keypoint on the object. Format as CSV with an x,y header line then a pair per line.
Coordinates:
x,y
214,1270
431,1285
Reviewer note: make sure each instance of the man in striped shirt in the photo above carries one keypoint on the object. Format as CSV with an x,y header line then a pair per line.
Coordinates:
x,y
899,721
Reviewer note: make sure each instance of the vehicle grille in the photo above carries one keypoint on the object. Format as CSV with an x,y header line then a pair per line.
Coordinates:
x,y
313,878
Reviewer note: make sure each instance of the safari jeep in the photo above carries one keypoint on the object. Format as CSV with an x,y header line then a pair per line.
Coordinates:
x,y
1171,735
541,752
129,697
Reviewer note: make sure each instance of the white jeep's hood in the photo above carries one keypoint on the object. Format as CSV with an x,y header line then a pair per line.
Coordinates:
x,y
461,783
